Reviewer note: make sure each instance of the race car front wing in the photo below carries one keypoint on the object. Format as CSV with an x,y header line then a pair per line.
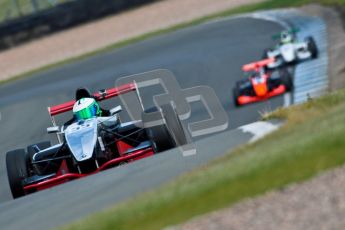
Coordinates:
x,y
244,99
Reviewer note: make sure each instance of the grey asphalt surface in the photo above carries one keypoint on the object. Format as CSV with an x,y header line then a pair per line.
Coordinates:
x,y
210,54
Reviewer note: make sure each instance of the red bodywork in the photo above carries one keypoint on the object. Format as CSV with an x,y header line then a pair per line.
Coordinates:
x,y
63,174
260,85
242,100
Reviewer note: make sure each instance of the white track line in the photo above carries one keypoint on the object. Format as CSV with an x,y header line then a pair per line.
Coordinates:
x,y
259,129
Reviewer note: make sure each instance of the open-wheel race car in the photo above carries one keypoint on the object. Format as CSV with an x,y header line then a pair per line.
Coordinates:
x,y
289,50
93,140
261,84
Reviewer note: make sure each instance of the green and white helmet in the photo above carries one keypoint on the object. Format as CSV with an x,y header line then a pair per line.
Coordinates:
x,y
86,108
285,37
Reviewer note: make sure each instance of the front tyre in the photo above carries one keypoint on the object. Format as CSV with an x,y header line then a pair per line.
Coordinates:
x,y
235,95
16,171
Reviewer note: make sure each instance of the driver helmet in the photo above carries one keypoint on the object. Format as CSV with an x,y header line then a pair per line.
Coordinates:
x,y
86,108
257,76
285,37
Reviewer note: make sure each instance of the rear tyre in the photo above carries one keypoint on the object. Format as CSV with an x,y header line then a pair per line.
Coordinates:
x,y
312,47
265,56
174,124
160,138
158,134
16,171
170,134
286,79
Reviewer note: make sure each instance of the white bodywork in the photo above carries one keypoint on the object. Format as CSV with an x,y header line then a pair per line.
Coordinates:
x,y
81,138
288,53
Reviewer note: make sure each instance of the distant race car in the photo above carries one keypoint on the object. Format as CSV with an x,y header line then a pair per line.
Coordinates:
x,y
91,144
289,50
261,84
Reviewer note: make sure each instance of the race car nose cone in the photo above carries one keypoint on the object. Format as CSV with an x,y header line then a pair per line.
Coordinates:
x,y
260,90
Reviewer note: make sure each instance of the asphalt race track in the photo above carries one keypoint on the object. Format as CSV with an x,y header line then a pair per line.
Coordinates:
x,y
210,54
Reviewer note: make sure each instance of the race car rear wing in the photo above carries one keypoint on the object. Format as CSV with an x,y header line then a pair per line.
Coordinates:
x,y
100,96
255,66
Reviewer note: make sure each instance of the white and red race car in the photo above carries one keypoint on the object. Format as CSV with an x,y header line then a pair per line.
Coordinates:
x,y
87,146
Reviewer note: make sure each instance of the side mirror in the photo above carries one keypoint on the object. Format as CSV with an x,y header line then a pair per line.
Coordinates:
x,y
102,93
116,110
54,129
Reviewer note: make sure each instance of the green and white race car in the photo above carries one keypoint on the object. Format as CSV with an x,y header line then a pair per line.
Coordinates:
x,y
289,50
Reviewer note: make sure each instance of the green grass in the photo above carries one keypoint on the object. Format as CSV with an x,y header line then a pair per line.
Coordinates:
x,y
270,4
311,141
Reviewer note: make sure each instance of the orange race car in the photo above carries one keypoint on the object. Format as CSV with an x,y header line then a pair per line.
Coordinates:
x,y
261,84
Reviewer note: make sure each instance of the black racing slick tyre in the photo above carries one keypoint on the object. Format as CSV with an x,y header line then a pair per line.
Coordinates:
x,y
174,124
16,171
158,134
265,54
170,133
235,95
286,79
312,47
160,138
